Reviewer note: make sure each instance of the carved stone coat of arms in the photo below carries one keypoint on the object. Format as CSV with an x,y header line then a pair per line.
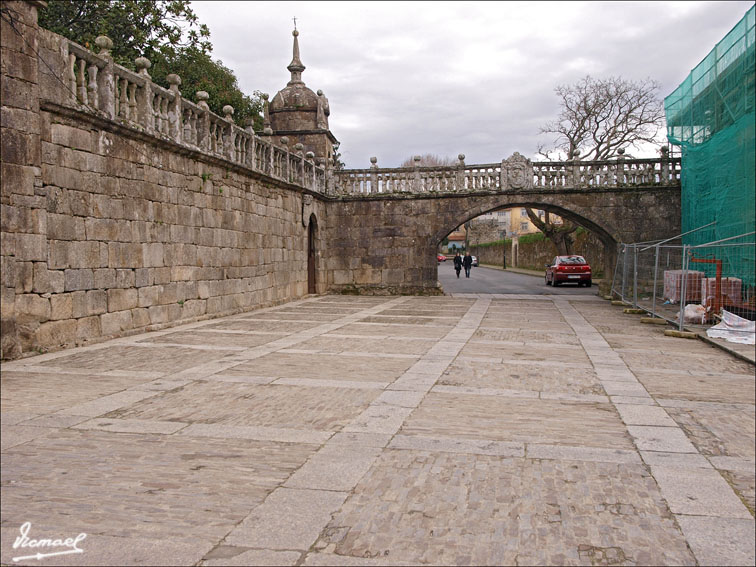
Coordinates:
x,y
516,173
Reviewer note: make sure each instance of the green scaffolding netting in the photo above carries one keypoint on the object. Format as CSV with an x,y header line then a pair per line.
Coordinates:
x,y
711,116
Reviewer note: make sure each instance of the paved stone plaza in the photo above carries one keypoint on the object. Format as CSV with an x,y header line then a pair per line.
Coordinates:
x,y
336,430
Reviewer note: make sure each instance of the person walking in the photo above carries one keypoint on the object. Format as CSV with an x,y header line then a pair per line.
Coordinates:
x,y
457,263
467,264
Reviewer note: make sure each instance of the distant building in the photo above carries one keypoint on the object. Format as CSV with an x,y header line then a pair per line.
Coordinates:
x,y
513,221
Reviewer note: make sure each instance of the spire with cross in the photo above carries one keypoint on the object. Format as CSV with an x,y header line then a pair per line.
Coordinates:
x,y
296,67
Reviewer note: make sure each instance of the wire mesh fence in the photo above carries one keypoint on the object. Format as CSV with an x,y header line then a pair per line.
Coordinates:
x,y
689,285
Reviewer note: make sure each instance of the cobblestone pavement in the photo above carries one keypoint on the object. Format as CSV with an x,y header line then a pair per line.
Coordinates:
x,y
463,430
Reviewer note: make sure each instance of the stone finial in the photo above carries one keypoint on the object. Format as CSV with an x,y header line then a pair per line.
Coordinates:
x,y
285,140
268,131
417,160
174,80
228,112
296,67
266,114
664,151
310,155
461,157
105,44
575,154
142,64
202,98
299,147
374,161
324,110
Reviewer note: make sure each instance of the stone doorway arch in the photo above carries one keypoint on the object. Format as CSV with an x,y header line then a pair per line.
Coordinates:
x,y
312,255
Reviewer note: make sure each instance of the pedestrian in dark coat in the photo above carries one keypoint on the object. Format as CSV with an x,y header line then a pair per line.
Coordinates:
x,y
458,263
467,264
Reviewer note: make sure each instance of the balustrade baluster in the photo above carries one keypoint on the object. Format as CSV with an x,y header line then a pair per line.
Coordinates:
x,y
81,82
123,99
132,101
70,74
94,100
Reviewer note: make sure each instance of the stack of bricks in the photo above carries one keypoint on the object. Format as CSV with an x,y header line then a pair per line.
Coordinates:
x,y
673,283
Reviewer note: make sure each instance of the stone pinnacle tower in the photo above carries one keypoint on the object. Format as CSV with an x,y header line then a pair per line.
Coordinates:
x,y
301,115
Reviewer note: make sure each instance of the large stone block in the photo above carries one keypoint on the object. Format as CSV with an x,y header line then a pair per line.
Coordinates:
x,y
115,323
17,93
77,254
152,255
18,179
105,278
32,307
342,277
56,333
183,273
19,147
31,247
109,230
148,296
140,317
69,136
89,303
22,219
65,227
194,308
161,275
122,299
20,275
79,279
10,344
125,255
143,277
88,328
125,278
164,313
61,306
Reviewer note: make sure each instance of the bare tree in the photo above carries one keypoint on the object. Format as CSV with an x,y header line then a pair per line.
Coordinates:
x,y
560,233
428,160
600,116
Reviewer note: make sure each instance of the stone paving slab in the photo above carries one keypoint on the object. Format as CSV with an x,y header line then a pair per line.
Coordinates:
x,y
288,519
386,431
720,541
504,511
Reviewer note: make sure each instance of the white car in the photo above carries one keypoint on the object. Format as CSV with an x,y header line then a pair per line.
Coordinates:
x,y
475,261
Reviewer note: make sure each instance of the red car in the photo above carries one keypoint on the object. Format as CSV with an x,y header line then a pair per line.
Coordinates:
x,y
440,257
568,269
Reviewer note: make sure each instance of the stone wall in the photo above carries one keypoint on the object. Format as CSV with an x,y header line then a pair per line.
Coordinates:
x,y
534,255
108,231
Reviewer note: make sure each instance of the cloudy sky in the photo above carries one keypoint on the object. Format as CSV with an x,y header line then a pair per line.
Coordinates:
x,y
408,78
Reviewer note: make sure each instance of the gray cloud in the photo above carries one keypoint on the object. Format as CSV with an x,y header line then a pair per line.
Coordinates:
x,y
406,78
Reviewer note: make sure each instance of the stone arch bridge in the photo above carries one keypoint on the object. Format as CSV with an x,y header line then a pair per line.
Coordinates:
x,y
386,224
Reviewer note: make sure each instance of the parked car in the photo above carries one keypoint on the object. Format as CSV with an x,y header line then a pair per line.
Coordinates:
x,y
440,257
568,269
475,261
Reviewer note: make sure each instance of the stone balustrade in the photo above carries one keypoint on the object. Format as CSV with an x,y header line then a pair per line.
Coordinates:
x,y
96,84
513,174
132,99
